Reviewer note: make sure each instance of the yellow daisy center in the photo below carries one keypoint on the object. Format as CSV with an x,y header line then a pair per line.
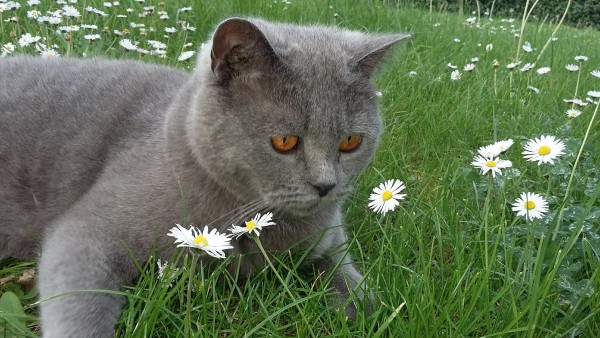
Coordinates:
x,y
201,241
544,150
386,195
491,163
529,205
250,225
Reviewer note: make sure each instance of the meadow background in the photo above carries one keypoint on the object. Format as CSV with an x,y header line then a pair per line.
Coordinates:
x,y
453,260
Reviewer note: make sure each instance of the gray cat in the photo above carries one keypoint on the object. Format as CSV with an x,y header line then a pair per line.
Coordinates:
x,y
99,159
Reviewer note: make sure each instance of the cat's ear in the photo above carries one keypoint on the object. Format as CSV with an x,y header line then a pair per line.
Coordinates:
x,y
239,46
374,49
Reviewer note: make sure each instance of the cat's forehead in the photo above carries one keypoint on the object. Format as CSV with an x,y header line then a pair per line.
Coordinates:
x,y
313,51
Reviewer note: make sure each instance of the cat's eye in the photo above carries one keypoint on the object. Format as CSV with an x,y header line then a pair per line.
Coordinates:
x,y
350,143
285,143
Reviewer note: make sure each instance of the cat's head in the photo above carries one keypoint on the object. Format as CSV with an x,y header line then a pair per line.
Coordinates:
x,y
285,114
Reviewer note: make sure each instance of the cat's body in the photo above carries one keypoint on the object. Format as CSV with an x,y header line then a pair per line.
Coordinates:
x,y
99,159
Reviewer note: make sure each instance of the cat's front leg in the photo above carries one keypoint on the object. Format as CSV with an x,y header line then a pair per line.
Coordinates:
x,y
80,261
346,279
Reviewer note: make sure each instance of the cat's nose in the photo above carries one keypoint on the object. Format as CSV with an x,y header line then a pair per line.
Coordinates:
x,y
324,188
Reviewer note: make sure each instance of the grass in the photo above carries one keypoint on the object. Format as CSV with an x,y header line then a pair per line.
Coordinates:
x,y
453,260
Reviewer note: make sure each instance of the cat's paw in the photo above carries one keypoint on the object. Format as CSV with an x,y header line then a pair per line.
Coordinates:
x,y
362,303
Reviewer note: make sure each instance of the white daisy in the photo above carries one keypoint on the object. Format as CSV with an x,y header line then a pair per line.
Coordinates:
x,y
95,10
469,67
212,242
157,44
576,101
503,145
527,67
92,37
55,20
166,272
253,226
490,164
187,27
543,70
27,39
488,151
489,47
455,75
71,11
527,47
475,59
8,48
451,66
128,44
161,268
34,14
386,196
573,113
544,149
49,53
594,93
496,148
69,29
170,30
581,58
186,55
596,73
530,205
513,65
12,5
535,90
412,73
572,68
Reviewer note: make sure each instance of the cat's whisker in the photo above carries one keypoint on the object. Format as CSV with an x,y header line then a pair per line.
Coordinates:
x,y
236,212
244,211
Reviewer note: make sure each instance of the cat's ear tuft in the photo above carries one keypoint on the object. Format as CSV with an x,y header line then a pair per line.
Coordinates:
x,y
239,46
375,49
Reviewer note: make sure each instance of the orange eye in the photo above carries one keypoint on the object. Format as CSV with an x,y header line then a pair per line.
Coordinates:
x,y
284,144
350,143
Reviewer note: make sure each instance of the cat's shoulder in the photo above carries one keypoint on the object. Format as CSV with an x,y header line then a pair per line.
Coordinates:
x,y
74,69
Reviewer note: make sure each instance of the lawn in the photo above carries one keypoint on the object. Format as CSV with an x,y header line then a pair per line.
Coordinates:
x,y
453,259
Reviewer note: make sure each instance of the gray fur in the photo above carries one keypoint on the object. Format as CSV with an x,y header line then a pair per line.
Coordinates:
x,y
95,156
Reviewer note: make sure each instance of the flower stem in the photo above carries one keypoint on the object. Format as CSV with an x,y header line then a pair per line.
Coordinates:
x,y
188,308
268,260
567,190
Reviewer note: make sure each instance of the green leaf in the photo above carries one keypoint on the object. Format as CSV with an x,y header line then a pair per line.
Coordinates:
x,y
12,316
